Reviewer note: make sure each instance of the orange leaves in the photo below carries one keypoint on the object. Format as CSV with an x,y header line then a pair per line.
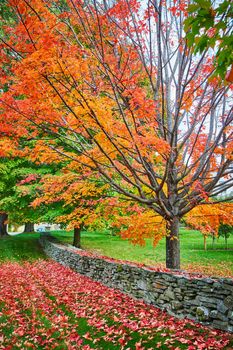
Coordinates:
x,y
150,144
207,218
8,148
44,153
75,196
118,92
133,222
198,188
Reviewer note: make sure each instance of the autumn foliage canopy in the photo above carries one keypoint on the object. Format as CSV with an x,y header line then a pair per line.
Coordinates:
x,y
116,90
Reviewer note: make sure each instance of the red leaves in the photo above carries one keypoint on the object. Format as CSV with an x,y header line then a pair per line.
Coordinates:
x,y
29,179
50,306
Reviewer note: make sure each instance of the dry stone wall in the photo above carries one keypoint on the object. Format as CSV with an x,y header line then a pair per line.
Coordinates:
x,y
205,300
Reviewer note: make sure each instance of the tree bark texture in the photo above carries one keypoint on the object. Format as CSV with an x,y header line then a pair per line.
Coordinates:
x,y
3,224
205,246
77,237
226,247
173,244
29,227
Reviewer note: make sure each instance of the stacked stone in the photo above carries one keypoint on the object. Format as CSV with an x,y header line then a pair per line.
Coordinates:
x,y
205,300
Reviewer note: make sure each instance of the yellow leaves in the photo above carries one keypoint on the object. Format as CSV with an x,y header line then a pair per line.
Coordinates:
x,y
79,190
207,218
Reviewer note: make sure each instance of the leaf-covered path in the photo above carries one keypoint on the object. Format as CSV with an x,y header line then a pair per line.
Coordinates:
x,y
44,305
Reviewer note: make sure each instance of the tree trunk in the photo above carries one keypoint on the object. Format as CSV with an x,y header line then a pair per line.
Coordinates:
x,y
3,225
204,242
77,236
226,242
173,244
29,227
213,240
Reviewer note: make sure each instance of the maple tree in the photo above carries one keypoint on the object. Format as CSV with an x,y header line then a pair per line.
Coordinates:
x,y
63,192
211,219
120,89
69,198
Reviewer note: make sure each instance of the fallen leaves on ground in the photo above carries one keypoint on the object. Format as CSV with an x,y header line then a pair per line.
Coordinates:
x,y
44,305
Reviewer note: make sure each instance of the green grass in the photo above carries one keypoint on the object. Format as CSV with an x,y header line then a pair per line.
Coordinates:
x,y
21,247
193,257
219,261
192,251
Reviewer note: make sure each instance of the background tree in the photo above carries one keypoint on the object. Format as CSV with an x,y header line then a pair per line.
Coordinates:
x,y
125,96
9,175
210,25
225,230
18,184
69,198
211,220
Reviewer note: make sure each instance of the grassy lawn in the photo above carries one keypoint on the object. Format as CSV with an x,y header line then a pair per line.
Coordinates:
x,y
21,247
193,256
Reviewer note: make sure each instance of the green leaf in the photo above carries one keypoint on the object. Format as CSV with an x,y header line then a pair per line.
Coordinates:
x,y
221,25
205,4
190,38
202,45
193,8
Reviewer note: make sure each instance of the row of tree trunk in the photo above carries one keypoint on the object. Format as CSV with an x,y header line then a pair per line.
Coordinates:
x,y
3,224
29,226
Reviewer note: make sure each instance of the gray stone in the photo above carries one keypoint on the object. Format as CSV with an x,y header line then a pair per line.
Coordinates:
x,y
222,292
182,281
228,302
228,287
221,307
208,280
213,313
217,315
202,313
169,294
227,281
220,324
209,300
163,297
169,278
217,285
142,284
193,302
204,281
176,305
